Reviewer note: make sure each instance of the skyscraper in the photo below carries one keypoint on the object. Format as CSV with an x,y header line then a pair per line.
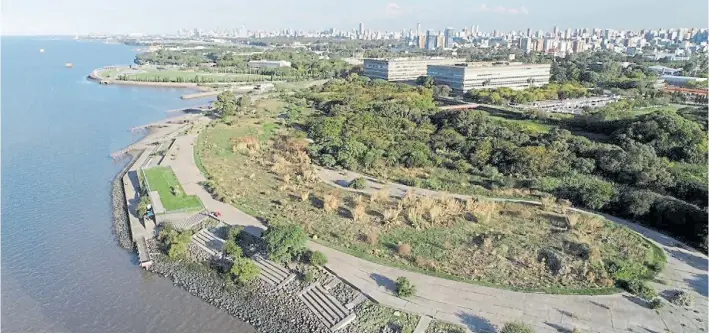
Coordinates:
x,y
430,40
361,29
525,44
418,29
448,38
555,31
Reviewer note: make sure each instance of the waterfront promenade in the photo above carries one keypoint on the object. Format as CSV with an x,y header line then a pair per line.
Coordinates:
x,y
482,308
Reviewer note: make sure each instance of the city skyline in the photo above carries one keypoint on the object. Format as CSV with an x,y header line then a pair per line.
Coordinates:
x,y
132,16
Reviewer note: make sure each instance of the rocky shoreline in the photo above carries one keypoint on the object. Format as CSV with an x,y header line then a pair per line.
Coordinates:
x,y
121,226
256,304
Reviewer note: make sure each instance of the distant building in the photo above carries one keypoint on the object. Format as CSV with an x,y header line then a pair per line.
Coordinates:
x,y
464,77
448,38
680,81
525,44
268,63
664,70
402,69
430,40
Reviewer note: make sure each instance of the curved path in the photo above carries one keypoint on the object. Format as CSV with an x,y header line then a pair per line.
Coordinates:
x,y
479,308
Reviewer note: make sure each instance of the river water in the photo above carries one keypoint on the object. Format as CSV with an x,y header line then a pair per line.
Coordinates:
x,y
62,269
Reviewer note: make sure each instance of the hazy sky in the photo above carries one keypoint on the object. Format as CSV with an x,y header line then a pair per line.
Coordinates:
x,y
39,17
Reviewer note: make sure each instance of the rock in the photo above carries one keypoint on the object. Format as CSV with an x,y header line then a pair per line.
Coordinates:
x,y
397,313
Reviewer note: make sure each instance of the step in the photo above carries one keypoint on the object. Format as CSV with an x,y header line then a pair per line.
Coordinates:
x,y
343,323
286,281
356,301
270,272
332,284
331,301
316,312
275,270
422,326
329,320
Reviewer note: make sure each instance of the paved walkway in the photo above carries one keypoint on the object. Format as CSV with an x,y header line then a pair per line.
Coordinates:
x,y
481,308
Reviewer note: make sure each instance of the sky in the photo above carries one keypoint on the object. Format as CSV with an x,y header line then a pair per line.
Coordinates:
x,y
69,17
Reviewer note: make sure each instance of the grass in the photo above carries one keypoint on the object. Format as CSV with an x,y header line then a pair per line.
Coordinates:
x,y
152,74
164,181
376,318
438,326
492,244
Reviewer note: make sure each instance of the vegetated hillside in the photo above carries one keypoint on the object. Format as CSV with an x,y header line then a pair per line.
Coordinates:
x,y
645,167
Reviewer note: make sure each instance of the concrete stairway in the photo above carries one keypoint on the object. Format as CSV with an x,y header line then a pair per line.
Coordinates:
x,y
326,307
209,242
191,222
273,273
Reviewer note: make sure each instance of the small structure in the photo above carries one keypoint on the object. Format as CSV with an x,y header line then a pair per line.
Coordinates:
x,y
69,65
268,63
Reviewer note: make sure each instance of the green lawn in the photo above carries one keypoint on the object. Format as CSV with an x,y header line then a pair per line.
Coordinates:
x,y
164,181
152,74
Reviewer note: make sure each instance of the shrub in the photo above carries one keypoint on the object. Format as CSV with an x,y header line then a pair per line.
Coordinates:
x,y
309,276
391,215
404,288
317,258
372,237
359,212
358,183
142,209
231,248
175,190
284,241
177,243
331,201
681,298
404,249
640,288
516,327
235,232
244,270
656,303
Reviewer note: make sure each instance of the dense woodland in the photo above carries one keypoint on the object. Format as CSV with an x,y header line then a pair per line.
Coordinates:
x,y
649,167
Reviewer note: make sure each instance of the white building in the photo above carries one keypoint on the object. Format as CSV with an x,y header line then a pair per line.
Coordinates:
x,y
268,63
464,77
402,69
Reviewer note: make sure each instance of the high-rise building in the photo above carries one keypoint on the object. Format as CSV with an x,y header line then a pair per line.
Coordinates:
x,y
440,40
418,29
448,38
529,32
361,29
430,40
578,45
525,44
421,41
555,31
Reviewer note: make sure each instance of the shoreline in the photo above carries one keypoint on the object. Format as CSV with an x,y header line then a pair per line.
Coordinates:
x,y
263,309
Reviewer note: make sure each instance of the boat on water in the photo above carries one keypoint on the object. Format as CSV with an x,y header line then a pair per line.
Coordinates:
x,y
68,65
41,50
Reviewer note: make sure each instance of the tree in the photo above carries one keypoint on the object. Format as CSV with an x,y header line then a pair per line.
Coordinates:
x,y
317,258
225,103
232,249
285,241
425,81
244,270
243,103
